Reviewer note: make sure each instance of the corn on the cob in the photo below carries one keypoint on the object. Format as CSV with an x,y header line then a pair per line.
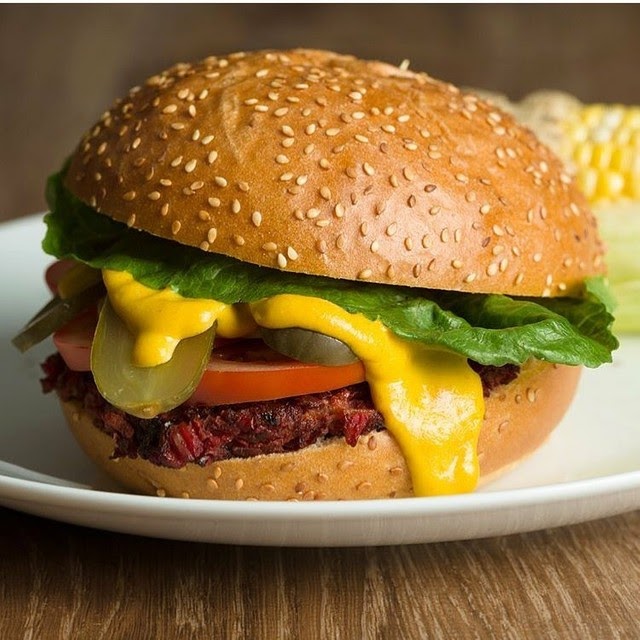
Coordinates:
x,y
603,143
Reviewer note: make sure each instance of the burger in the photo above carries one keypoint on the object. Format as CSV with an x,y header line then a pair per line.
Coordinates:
x,y
295,275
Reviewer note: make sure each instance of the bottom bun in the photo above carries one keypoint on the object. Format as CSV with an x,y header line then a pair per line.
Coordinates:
x,y
519,417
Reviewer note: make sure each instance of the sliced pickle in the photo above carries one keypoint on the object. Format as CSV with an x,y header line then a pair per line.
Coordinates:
x,y
308,346
144,391
54,315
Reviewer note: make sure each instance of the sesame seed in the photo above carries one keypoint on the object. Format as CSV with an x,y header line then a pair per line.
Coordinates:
x,y
339,210
434,210
365,274
292,254
282,159
519,278
154,195
361,138
288,142
170,108
408,174
207,139
220,181
388,128
498,230
444,235
177,126
310,129
325,192
324,163
408,244
256,217
282,261
332,132
190,166
313,213
129,196
261,108
470,277
136,143
214,202
235,206
198,184
456,264
204,215
192,110
239,240
101,149
368,169
492,269
288,131
212,157
485,208
374,247
131,220
175,227
404,118
504,263
364,228
309,149
537,257
391,229
270,246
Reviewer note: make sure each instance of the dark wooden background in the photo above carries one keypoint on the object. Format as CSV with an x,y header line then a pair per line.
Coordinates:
x,y
61,66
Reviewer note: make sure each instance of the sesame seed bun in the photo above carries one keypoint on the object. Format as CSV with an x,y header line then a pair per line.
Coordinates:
x,y
318,163
519,417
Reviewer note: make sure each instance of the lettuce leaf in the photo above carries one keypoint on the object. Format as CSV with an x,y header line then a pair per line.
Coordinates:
x,y
490,329
619,225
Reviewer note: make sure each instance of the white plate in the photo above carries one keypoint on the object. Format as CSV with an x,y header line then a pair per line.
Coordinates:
x,y
589,468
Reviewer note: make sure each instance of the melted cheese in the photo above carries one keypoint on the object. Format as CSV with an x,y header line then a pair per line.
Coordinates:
x,y
430,399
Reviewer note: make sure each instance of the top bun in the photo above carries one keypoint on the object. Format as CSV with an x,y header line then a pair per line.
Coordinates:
x,y
319,163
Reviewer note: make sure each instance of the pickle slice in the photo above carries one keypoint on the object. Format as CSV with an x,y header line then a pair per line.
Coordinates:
x,y
144,391
308,346
54,315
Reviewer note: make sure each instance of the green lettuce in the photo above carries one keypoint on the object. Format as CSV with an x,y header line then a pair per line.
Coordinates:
x,y
620,229
490,329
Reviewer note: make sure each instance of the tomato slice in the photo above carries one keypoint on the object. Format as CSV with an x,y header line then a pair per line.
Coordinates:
x,y
248,371
73,341
55,271
238,371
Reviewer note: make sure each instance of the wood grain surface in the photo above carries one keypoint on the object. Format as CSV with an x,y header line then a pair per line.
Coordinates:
x,y
60,67
60,581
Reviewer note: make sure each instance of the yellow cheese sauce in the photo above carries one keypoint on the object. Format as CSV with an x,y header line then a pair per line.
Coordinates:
x,y
430,399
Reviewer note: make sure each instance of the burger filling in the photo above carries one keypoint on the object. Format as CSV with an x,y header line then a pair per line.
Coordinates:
x,y
200,434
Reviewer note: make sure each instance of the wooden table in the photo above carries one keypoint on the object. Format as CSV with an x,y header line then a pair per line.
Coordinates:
x,y
61,581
